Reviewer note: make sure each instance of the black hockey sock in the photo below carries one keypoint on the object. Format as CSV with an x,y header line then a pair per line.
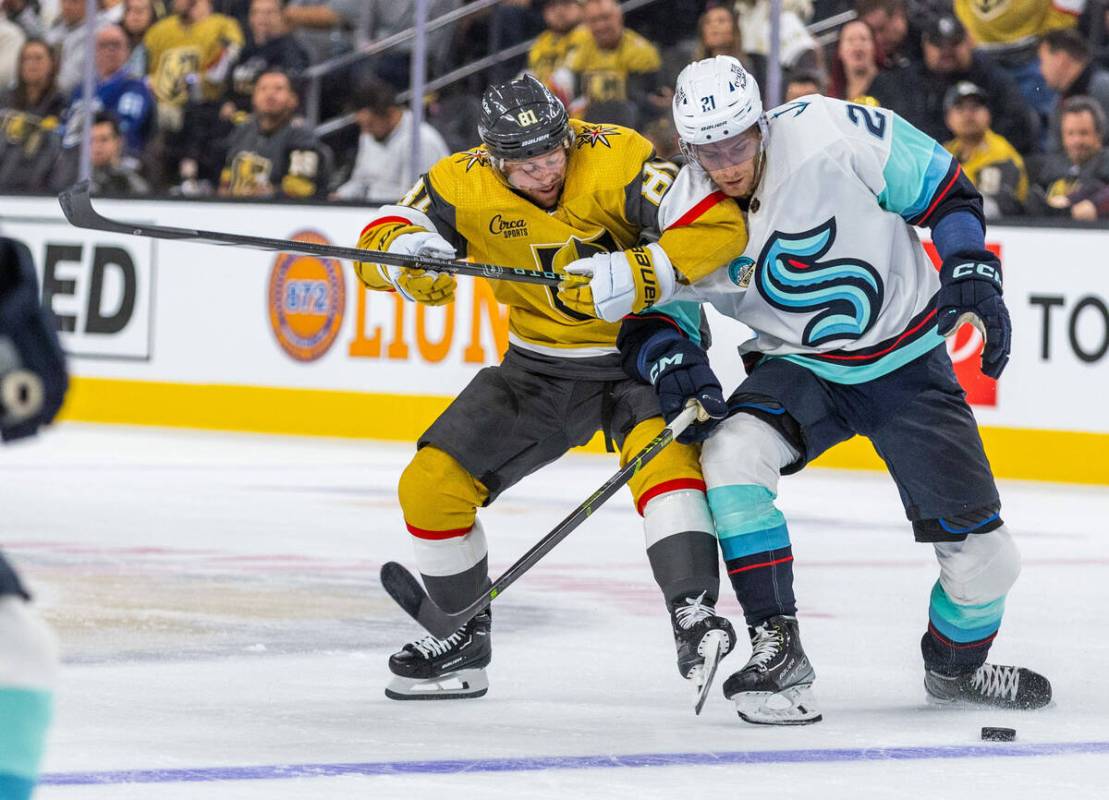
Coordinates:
x,y
685,565
763,584
454,592
953,658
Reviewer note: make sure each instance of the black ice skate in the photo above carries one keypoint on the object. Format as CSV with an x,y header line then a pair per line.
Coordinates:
x,y
775,687
444,669
990,685
703,638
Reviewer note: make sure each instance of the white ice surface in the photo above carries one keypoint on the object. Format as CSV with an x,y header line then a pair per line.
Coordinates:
x,y
218,606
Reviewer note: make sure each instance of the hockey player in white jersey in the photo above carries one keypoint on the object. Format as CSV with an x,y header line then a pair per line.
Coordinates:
x,y
848,317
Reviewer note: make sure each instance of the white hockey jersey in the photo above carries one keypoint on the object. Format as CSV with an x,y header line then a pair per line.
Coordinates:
x,y
834,277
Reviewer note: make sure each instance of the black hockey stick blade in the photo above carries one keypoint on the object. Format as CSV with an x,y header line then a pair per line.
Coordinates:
x,y
403,587
76,203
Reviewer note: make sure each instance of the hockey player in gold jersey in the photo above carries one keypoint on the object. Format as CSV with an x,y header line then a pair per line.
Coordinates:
x,y
545,192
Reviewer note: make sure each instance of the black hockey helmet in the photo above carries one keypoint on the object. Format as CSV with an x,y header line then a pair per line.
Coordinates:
x,y
522,119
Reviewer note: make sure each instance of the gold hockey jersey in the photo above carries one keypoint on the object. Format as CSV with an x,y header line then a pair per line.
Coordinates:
x,y
995,23
615,194
553,51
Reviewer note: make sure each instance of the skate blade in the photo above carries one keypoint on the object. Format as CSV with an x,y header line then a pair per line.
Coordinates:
x,y
713,647
793,706
463,684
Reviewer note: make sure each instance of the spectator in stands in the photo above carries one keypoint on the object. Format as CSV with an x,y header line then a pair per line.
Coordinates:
x,y
615,70
989,161
27,15
270,155
110,173
326,27
1067,67
550,55
798,50
799,84
12,38
383,169
719,33
270,45
67,37
855,64
111,11
30,115
126,97
896,37
917,93
1076,181
1009,31
189,54
138,17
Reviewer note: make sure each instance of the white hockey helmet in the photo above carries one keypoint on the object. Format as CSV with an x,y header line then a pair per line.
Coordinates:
x,y
715,100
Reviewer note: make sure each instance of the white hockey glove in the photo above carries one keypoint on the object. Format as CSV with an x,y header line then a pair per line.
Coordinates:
x,y
620,283
419,285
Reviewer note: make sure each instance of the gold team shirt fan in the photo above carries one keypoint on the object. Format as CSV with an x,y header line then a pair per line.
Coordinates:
x,y
603,74
615,191
552,51
1014,22
177,51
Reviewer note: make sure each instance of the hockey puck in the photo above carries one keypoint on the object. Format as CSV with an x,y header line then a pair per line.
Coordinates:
x,y
999,734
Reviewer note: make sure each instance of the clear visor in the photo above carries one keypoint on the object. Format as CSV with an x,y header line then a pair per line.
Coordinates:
x,y
730,152
537,168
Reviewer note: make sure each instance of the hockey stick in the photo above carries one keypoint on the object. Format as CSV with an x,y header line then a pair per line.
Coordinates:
x,y
77,207
403,587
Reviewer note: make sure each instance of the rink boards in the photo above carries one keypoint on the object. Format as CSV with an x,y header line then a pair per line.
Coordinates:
x,y
176,334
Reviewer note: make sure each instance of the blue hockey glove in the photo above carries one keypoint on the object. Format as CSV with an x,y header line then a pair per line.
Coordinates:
x,y
679,370
32,366
970,291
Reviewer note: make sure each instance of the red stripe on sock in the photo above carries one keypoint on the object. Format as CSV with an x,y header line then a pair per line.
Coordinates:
x,y
948,643
758,566
668,486
420,533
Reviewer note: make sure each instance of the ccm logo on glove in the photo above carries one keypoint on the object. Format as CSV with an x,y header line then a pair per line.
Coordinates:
x,y
986,271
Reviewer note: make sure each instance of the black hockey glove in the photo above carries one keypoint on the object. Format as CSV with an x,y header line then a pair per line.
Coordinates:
x,y
970,291
32,366
679,370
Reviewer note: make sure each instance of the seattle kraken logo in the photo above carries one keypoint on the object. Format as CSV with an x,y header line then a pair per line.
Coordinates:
x,y
846,293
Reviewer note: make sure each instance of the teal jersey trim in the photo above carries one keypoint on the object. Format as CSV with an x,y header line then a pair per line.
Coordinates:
x,y
24,718
15,788
838,373
961,623
686,313
914,171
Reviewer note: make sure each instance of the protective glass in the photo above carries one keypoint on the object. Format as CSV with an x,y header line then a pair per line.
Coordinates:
x,y
729,152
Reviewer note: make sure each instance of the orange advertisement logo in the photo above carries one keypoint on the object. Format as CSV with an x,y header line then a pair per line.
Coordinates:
x,y
965,349
306,298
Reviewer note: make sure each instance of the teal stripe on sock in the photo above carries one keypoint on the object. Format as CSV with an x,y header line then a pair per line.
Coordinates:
x,y
24,718
747,544
741,509
961,623
13,788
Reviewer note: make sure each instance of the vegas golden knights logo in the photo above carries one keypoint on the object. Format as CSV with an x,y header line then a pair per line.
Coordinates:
x,y
248,172
170,84
556,257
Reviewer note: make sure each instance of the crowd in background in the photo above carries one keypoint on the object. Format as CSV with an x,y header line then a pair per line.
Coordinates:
x,y
207,97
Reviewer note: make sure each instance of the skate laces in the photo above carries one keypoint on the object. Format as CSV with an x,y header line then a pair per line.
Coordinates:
x,y
766,644
430,647
693,611
994,681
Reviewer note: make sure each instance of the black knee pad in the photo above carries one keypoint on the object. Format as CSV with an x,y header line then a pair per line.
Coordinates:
x,y
956,528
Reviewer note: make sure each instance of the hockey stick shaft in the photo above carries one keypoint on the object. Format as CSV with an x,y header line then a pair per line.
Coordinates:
x,y
76,204
403,587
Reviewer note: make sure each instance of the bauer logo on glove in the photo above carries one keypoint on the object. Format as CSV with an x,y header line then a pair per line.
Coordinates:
x,y
619,283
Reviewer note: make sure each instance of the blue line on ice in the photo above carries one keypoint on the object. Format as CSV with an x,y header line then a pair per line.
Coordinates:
x,y
539,763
